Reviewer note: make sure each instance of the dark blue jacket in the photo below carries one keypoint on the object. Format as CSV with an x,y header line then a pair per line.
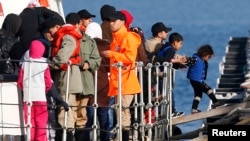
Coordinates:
x,y
198,71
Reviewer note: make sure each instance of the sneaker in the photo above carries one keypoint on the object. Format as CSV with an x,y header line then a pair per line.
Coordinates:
x,y
245,85
177,114
194,111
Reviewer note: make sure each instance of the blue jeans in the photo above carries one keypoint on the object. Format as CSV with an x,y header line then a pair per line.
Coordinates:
x,y
103,118
111,113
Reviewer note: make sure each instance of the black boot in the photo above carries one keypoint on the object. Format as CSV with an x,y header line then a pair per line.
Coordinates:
x,y
59,133
125,135
79,134
70,136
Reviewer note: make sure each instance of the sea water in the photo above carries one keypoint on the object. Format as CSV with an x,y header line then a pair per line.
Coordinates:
x,y
199,21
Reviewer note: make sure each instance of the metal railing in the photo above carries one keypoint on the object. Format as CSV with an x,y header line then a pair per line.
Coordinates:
x,y
158,106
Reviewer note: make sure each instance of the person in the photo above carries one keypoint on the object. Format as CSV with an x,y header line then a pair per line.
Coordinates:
x,y
105,12
34,90
66,49
10,27
94,31
123,49
197,75
168,54
141,57
90,62
86,18
154,44
31,17
47,30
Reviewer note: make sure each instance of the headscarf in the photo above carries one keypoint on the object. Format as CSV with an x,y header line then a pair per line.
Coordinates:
x,y
94,30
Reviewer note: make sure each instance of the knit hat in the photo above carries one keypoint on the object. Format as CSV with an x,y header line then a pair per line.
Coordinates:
x,y
36,49
94,30
84,14
49,23
129,18
106,11
117,15
158,27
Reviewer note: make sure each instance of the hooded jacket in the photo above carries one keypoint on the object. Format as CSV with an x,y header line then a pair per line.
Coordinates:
x,y
124,49
8,38
40,78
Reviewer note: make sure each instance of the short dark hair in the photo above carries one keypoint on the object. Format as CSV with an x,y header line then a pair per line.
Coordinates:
x,y
175,37
72,18
205,50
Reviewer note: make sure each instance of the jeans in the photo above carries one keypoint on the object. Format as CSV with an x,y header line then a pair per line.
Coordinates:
x,y
103,118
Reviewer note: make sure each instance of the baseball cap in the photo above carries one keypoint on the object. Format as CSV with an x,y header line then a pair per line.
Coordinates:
x,y
84,14
158,27
117,15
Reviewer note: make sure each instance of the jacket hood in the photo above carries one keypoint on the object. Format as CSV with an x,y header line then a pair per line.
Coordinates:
x,y
129,18
36,49
153,45
12,23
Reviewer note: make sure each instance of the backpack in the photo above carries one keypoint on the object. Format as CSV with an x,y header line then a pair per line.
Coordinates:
x,y
141,53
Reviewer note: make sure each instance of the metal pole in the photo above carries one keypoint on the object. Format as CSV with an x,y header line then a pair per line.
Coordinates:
x,y
119,117
142,104
29,103
170,97
95,105
66,100
157,100
149,105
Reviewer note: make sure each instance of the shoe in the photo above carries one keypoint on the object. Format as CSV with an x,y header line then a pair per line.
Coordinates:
x,y
177,114
217,104
245,85
247,75
194,111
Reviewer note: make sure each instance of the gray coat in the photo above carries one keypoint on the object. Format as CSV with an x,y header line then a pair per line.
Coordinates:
x,y
89,53
60,76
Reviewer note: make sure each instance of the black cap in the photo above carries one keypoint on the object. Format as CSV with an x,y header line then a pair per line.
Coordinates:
x,y
72,18
106,11
158,27
49,23
84,14
117,15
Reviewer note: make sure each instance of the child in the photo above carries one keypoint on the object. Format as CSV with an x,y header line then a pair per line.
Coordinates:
x,y
197,76
34,90
168,54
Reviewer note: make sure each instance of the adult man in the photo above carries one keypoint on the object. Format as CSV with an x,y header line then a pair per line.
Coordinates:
x,y
66,49
123,49
90,62
85,17
154,44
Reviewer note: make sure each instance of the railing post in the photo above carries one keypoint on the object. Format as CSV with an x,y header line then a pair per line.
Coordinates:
x,y
119,113
149,104
95,105
29,103
66,100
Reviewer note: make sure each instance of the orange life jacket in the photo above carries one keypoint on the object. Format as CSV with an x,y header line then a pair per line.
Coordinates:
x,y
75,56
